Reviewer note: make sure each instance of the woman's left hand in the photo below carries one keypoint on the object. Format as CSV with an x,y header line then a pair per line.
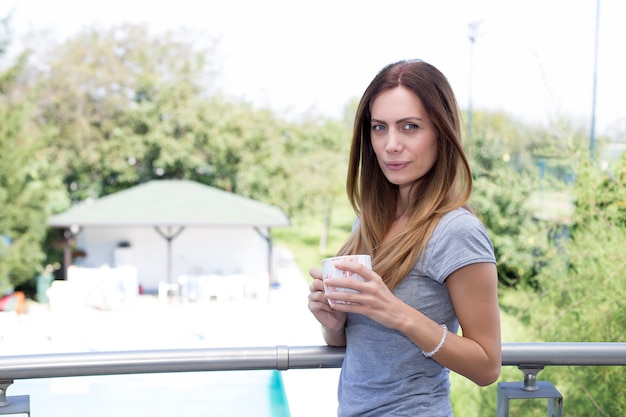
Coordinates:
x,y
372,299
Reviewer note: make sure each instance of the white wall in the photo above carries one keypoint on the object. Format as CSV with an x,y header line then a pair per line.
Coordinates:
x,y
196,251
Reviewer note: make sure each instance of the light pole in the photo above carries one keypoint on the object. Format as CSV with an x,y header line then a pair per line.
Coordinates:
x,y
592,135
473,27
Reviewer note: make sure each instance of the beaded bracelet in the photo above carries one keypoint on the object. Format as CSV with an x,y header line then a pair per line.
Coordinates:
x,y
441,342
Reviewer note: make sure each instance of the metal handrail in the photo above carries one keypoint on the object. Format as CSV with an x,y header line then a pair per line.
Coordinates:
x,y
170,360
564,354
274,358
530,358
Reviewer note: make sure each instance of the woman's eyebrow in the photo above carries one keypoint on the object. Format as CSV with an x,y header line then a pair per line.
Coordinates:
x,y
402,120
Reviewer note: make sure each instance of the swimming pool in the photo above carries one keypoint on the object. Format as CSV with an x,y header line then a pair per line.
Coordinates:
x,y
223,393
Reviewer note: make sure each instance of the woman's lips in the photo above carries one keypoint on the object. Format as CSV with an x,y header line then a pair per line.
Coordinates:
x,y
396,166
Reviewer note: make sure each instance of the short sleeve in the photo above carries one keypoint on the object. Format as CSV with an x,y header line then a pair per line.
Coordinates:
x,y
460,239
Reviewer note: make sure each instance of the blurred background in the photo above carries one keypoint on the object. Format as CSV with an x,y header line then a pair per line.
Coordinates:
x,y
257,100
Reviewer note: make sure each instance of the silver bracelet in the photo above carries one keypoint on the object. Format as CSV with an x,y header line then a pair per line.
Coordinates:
x,y
441,342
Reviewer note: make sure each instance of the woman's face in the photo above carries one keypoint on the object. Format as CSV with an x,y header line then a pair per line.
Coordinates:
x,y
403,136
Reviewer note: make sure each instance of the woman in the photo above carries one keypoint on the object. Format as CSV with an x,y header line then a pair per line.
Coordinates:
x,y
433,265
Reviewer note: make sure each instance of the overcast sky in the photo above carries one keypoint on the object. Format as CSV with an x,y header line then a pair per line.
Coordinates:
x,y
533,58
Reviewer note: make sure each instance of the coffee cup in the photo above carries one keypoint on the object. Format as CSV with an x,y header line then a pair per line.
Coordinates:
x,y
329,271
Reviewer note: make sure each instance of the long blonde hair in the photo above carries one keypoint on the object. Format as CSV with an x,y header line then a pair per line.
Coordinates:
x,y
447,186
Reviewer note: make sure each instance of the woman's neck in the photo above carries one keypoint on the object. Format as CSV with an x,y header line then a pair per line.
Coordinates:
x,y
400,212
402,205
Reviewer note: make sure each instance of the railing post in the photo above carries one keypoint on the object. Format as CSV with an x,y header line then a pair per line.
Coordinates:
x,y
19,404
529,389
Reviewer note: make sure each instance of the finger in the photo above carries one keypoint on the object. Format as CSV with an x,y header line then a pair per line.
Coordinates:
x,y
350,283
315,273
316,285
354,267
316,294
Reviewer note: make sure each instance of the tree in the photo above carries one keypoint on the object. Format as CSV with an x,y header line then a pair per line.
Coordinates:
x,y
28,184
129,102
139,107
504,180
582,291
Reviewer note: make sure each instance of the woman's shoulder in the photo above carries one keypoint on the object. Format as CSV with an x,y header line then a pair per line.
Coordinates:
x,y
459,218
460,227
458,240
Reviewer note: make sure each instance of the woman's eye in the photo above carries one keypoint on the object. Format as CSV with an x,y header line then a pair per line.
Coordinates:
x,y
410,126
378,128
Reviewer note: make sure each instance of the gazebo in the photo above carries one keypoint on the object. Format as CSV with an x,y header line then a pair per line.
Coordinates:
x,y
205,230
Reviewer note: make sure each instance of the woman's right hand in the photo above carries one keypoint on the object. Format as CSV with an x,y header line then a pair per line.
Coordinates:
x,y
333,321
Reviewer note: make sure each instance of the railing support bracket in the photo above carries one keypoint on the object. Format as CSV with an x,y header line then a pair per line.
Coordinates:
x,y
529,389
19,404
530,376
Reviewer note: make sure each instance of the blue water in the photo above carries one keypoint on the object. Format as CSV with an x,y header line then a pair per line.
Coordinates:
x,y
223,393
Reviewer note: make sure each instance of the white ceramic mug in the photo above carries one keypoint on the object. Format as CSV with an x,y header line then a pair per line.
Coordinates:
x,y
329,271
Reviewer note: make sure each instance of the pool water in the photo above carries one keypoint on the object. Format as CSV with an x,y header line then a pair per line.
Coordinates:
x,y
223,393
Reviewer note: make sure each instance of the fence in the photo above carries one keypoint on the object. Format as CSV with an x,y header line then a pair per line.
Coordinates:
x,y
530,358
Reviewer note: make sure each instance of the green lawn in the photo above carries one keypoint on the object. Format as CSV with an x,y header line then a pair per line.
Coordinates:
x,y
303,237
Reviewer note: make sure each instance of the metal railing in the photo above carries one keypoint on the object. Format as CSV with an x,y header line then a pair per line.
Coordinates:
x,y
530,358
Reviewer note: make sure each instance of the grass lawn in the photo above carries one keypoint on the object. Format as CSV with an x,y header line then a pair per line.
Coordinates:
x,y
304,235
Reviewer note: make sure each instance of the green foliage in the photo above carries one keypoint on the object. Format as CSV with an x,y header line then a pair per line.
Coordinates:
x,y
129,103
582,292
137,108
320,168
564,260
586,302
28,188
120,107
504,179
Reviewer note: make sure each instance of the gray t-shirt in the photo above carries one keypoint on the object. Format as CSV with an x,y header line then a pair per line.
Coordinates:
x,y
383,372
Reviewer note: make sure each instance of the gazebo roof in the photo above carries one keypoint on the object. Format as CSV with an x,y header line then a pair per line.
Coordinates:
x,y
171,203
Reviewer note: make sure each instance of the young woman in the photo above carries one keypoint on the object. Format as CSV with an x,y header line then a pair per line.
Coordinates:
x,y
433,265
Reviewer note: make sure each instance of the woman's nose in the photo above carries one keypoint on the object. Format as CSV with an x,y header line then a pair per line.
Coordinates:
x,y
393,141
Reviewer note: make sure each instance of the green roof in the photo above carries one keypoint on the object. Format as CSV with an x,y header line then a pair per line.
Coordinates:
x,y
171,203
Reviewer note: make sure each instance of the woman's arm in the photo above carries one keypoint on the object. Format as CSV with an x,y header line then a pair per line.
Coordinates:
x,y
476,353
334,338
